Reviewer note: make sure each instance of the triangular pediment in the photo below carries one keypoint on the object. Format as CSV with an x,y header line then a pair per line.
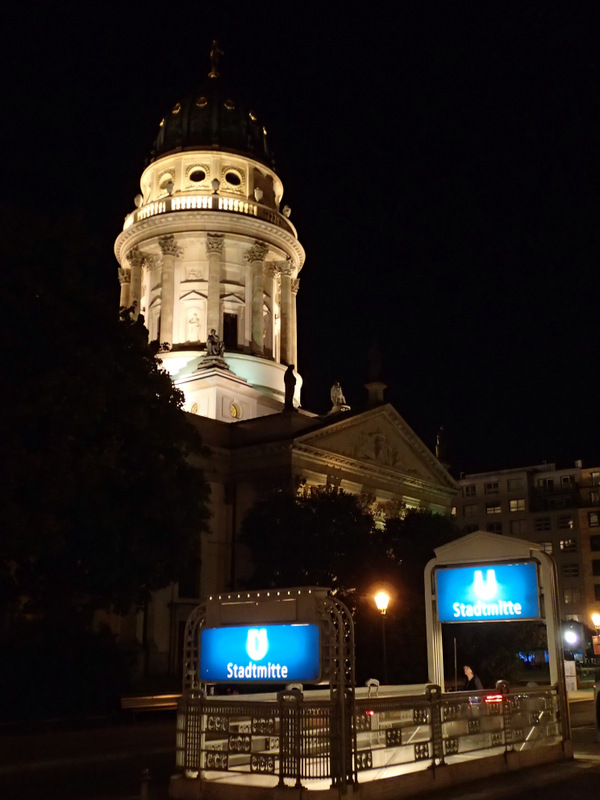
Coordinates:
x,y
380,439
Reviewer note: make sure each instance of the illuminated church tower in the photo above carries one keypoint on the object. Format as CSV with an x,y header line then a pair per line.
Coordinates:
x,y
211,259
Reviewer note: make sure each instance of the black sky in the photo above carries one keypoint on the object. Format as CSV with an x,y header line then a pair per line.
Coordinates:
x,y
441,163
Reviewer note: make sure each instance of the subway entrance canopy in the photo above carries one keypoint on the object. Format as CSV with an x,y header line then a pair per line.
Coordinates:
x,y
484,577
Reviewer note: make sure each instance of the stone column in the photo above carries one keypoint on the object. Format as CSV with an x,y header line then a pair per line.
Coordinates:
x,y
214,252
170,251
270,271
136,259
255,256
125,281
294,333
286,313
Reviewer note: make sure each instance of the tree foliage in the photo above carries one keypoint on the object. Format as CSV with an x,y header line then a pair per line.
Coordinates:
x,y
329,538
101,503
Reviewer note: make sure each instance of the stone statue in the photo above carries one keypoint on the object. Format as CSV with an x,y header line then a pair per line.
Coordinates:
x,y
194,328
214,346
289,380
337,395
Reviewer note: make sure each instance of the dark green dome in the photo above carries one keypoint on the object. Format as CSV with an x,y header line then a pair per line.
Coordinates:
x,y
213,118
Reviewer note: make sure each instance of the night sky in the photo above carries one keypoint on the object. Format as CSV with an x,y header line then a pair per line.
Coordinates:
x,y
441,162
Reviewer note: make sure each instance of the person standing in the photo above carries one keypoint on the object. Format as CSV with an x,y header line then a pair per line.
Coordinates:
x,y
472,681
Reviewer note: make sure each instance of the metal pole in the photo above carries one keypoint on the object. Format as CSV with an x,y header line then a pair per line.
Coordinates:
x,y
385,671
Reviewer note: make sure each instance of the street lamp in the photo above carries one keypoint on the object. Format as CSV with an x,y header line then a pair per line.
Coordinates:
x,y
382,600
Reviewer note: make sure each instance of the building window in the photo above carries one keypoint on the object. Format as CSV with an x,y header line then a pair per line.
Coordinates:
x,y
568,545
595,542
567,480
565,522
493,508
595,476
571,596
470,510
595,498
542,524
597,591
596,566
593,519
570,570
518,527
453,511
518,504
470,528
546,547
494,527
545,484
469,491
514,484
492,487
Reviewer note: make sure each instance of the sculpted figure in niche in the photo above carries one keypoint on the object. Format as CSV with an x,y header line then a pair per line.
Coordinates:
x,y
337,395
289,379
193,328
214,346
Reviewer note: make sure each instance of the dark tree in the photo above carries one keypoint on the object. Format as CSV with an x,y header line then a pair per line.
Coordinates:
x,y
101,502
329,539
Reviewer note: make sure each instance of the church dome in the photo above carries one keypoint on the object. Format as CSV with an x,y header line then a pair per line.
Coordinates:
x,y
213,118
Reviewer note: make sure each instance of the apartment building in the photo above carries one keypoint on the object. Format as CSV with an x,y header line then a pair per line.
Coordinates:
x,y
556,508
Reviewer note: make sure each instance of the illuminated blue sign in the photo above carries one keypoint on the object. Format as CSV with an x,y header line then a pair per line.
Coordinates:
x,y
268,653
488,593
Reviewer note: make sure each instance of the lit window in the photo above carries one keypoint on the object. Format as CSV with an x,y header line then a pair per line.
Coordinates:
x,y
568,545
470,510
518,527
593,519
494,527
565,522
518,504
469,491
595,498
571,596
595,476
493,508
492,487
542,524
570,570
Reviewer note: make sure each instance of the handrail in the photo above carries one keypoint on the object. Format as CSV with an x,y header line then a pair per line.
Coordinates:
x,y
214,202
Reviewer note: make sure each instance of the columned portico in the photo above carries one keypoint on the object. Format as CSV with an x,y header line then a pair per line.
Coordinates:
x,y
136,260
287,334
214,252
255,256
170,251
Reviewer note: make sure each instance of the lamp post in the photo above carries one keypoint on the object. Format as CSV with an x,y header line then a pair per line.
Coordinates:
x,y
382,600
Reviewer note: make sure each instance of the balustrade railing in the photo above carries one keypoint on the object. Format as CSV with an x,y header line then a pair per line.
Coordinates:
x,y
212,202
293,739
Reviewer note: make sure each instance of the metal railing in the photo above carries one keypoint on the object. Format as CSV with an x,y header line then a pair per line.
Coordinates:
x,y
293,739
212,202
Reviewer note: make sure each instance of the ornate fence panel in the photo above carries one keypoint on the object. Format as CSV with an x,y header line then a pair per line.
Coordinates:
x,y
294,738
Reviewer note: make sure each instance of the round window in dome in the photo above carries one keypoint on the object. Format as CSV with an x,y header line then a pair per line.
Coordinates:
x,y
176,108
229,105
201,102
197,175
233,178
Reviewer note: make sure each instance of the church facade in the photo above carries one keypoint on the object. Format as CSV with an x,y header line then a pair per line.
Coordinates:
x,y
211,259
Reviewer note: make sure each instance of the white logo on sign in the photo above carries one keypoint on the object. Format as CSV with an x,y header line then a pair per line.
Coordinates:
x,y
257,643
485,590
